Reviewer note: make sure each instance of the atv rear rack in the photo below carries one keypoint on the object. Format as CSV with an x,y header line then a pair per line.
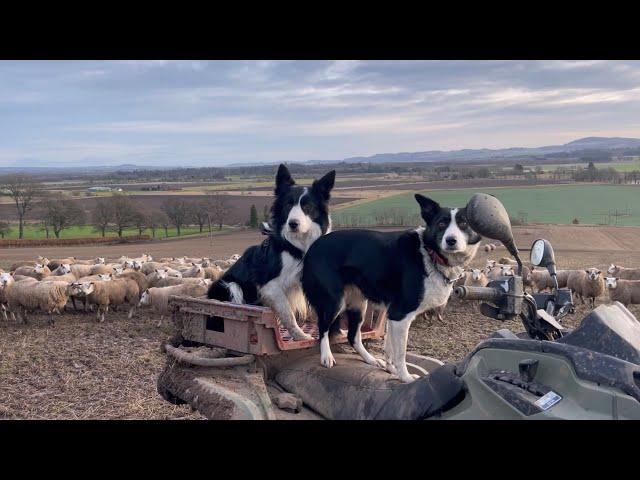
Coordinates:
x,y
252,329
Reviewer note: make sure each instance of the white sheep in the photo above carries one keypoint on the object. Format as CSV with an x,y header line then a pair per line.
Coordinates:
x,y
63,269
110,293
195,271
157,298
624,272
81,270
587,284
23,297
624,291
38,271
500,271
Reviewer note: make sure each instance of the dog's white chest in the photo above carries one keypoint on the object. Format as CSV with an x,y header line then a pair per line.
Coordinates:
x,y
290,273
436,292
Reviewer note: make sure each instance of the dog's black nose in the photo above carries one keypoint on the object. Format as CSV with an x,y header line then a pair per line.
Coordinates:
x,y
293,224
451,241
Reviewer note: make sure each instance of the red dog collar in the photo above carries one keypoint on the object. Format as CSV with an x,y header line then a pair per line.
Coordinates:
x,y
437,258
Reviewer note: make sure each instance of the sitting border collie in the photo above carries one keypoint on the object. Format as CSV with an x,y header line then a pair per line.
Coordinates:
x,y
269,274
407,272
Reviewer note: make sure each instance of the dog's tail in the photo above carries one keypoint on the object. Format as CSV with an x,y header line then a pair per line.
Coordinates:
x,y
226,292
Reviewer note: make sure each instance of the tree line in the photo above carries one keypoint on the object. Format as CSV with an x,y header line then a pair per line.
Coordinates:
x,y
55,212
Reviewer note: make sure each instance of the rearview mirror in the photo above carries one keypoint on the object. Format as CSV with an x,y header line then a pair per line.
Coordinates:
x,y
542,255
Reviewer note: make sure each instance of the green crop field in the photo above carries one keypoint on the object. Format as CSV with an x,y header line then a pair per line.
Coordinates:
x,y
543,204
35,232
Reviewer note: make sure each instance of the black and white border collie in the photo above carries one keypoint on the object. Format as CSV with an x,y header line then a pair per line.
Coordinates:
x,y
269,274
406,272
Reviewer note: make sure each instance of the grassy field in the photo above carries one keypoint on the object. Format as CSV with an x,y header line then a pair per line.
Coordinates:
x,y
543,204
34,231
619,166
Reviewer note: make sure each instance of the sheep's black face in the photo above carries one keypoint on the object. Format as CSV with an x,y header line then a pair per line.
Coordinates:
x,y
301,214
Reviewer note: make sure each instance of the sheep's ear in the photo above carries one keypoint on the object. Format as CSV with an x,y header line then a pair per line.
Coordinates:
x,y
587,271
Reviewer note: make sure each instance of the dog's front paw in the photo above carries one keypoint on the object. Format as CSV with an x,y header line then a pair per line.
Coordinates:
x,y
301,336
407,378
327,360
380,363
390,367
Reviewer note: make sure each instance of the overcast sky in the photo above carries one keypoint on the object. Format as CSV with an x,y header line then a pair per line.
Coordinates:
x,y
201,113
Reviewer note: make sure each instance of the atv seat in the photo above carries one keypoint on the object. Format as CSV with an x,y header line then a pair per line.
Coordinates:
x,y
354,390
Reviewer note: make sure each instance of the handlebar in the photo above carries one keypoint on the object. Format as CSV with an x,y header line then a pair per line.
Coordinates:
x,y
487,294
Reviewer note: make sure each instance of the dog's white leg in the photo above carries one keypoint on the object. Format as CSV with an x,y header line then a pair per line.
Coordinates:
x,y
277,299
326,357
366,356
388,350
399,335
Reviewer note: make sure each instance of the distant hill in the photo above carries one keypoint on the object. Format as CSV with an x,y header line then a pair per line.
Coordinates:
x,y
599,144
587,143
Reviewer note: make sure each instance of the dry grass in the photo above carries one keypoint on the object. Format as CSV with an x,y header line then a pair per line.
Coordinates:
x,y
80,369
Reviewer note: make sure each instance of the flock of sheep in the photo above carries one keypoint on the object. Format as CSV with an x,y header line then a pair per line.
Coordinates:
x,y
49,285
622,284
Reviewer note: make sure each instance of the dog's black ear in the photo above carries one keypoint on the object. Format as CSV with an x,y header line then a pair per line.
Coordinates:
x,y
324,185
283,179
428,207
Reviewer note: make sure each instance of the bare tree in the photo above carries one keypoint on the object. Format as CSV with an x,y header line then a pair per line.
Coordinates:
x,y
200,213
141,222
5,229
59,213
218,207
178,211
125,213
158,219
166,223
102,216
24,190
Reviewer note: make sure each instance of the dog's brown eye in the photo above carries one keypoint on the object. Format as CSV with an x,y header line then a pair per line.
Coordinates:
x,y
442,225
462,224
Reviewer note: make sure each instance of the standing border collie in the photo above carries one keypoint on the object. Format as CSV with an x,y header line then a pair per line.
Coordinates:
x,y
407,272
269,274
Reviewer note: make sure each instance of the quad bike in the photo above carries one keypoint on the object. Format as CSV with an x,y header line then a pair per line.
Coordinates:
x,y
236,361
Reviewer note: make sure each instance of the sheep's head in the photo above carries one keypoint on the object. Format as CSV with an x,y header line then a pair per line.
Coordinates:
x,y
235,257
145,299
75,289
105,277
88,287
38,268
613,269
136,265
206,262
162,273
476,273
593,274
100,261
5,279
118,269
611,282
65,268
506,270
